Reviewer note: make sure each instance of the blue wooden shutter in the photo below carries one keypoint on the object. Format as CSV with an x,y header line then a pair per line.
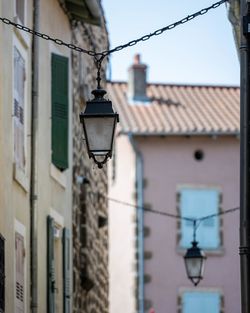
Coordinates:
x,y
66,270
59,129
197,302
195,203
50,266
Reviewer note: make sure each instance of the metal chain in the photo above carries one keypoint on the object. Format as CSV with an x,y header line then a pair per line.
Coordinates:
x,y
103,54
47,37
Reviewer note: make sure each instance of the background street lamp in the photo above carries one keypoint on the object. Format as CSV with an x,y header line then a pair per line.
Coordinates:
x,y
195,261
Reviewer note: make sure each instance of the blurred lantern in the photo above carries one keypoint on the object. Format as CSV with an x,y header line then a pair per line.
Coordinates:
x,y
194,260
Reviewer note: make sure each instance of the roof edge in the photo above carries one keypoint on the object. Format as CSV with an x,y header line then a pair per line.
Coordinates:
x,y
179,84
168,134
93,12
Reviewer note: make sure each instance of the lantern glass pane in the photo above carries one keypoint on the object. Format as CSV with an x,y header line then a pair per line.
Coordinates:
x,y
99,132
195,267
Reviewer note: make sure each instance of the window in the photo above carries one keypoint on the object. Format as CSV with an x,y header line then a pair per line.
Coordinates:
x,y
2,275
20,10
195,203
58,267
59,129
19,109
51,287
66,270
201,301
20,258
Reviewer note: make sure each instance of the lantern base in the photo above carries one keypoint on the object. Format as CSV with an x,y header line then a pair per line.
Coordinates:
x,y
100,163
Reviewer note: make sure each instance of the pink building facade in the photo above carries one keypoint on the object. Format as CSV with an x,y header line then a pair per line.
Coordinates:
x,y
175,167
177,153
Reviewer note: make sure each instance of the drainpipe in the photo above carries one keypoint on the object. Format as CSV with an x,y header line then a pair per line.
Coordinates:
x,y
33,157
140,222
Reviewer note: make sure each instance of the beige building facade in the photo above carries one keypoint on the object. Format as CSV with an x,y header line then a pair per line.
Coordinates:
x,y
36,189
37,127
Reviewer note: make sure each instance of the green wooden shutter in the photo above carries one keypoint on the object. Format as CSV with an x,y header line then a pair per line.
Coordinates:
x,y
66,270
59,129
50,266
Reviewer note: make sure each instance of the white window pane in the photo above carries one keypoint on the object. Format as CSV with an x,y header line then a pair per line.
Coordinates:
x,y
197,203
100,134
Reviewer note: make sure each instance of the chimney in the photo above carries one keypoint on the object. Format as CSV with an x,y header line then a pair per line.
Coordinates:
x,y
137,83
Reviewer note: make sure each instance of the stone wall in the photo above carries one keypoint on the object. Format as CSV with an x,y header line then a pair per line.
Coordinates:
x,y
90,234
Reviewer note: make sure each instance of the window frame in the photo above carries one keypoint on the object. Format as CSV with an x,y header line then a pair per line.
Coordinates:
x,y
219,248
58,226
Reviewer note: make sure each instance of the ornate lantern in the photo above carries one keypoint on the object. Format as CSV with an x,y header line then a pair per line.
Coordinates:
x,y
99,123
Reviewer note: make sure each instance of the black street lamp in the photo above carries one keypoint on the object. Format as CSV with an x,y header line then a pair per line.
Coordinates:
x,y
195,261
99,123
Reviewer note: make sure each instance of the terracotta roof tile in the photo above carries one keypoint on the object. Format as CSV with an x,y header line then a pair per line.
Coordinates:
x,y
178,109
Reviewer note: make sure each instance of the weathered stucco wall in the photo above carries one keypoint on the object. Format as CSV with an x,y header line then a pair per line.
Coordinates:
x,y
54,186
14,197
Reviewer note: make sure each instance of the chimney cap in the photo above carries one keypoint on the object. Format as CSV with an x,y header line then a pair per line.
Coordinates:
x,y
137,58
137,62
